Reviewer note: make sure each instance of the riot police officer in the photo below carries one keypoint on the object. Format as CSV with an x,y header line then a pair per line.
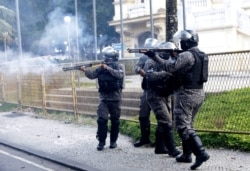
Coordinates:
x,y
191,67
144,113
110,77
158,101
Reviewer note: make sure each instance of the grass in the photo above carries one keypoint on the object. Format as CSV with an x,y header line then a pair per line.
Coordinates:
x,y
225,112
86,84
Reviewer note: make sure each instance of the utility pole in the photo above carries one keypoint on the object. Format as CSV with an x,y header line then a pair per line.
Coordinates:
x,y
19,31
95,27
151,20
171,19
77,33
121,25
184,13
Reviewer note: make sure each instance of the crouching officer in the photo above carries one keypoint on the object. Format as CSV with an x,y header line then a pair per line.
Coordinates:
x,y
158,99
191,66
110,77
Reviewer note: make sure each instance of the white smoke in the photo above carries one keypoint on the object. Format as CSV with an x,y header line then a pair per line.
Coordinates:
x,y
57,32
31,65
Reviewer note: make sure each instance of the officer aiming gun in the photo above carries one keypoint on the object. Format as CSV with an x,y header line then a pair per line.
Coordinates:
x,y
78,67
145,50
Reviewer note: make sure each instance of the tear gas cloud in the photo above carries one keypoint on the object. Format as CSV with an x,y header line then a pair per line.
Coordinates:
x,y
31,65
57,32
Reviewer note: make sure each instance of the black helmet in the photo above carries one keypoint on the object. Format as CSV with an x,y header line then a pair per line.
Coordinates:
x,y
110,54
150,43
187,38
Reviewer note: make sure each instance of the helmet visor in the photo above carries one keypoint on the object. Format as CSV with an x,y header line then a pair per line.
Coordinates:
x,y
181,35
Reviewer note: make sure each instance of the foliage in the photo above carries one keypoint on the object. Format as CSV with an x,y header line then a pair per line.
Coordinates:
x,y
5,107
7,25
35,18
228,141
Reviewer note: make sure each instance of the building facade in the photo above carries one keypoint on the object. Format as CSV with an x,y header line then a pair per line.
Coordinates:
x,y
223,25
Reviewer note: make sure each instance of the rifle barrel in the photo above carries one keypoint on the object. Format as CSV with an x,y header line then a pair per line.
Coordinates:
x,y
77,67
153,50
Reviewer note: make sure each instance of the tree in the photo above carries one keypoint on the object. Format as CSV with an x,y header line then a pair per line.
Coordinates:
x,y
35,17
39,18
171,19
104,13
7,26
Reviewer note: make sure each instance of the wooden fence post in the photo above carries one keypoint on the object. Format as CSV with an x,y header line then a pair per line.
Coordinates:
x,y
19,88
74,96
43,91
2,87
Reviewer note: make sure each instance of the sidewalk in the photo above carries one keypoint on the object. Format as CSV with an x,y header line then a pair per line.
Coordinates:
x,y
77,144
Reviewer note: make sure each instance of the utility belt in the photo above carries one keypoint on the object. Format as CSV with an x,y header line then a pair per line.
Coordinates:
x,y
163,88
191,87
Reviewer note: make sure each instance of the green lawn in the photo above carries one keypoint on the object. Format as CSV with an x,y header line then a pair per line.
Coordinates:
x,y
226,112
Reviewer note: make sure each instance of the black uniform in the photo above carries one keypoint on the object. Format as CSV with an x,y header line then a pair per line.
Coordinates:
x,y
110,81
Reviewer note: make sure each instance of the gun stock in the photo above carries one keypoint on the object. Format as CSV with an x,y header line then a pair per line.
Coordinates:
x,y
153,50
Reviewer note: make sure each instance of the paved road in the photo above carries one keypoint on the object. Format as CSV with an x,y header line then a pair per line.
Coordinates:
x,y
15,159
76,144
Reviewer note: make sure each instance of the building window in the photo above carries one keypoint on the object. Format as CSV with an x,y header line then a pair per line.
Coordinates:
x,y
197,3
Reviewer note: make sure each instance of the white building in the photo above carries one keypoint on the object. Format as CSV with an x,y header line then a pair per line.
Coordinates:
x,y
223,25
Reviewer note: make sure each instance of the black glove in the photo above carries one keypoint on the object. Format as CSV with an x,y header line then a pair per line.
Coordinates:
x,y
150,54
99,69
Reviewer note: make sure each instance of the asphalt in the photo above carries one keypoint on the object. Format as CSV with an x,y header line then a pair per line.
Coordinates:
x,y
75,144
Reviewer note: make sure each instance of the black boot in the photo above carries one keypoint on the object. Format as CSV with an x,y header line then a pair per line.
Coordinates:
x,y
198,150
114,132
100,146
101,133
160,147
169,140
186,156
145,132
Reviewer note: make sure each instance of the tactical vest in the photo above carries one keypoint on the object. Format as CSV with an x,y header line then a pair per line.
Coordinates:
x,y
198,74
164,86
108,83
